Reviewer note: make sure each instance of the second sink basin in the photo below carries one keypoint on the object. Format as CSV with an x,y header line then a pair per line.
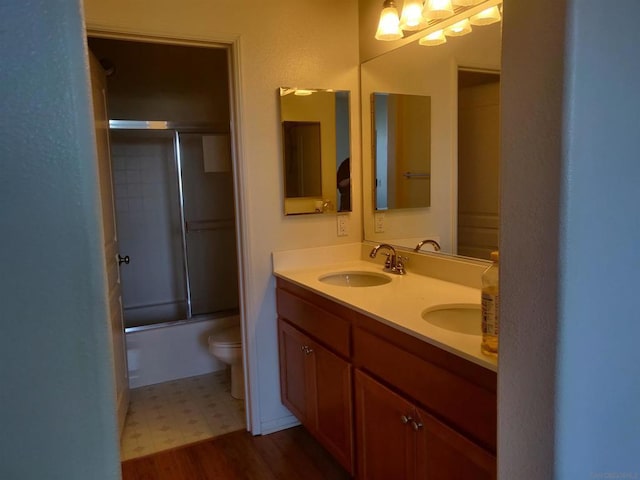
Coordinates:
x,y
459,317
355,279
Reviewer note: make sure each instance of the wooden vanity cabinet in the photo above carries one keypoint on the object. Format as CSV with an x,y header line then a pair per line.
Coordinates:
x,y
386,442
398,439
417,411
316,382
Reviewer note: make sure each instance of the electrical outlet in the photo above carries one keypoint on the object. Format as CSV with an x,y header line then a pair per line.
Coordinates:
x,y
342,222
379,222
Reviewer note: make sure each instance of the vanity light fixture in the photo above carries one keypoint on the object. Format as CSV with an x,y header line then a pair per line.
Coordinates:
x,y
459,28
411,18
486,17
435,19
433,39
435,9
389,24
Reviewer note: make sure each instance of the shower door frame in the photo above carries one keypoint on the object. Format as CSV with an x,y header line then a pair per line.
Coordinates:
x,y
176,128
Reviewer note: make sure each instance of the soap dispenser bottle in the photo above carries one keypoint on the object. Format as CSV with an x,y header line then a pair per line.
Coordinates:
x,y
490,307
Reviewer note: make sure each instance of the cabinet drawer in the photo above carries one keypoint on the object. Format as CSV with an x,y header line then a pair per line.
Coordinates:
x,y
332,331
470,408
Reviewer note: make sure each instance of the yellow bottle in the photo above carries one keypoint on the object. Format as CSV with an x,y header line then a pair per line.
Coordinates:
x,y
490,308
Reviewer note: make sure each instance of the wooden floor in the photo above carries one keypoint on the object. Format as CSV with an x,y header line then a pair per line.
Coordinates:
x,y
289,454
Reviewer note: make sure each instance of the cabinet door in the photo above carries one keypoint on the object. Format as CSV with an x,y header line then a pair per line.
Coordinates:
x,y
385,439
295,381
333,404
444,454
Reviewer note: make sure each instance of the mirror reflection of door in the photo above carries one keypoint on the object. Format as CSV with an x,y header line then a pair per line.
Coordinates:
x,y
402,125
478,163
302,158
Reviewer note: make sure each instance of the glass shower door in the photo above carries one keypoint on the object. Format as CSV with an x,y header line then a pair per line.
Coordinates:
x,y
208,203
148,222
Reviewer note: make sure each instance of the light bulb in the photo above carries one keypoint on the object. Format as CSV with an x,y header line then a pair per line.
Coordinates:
x,y
435,9
459,28
486,17
433,39
389,24
411,18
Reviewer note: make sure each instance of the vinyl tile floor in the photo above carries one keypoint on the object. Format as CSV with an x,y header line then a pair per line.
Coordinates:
x,y
168,415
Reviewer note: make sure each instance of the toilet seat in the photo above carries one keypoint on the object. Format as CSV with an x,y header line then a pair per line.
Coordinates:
x,y
229,337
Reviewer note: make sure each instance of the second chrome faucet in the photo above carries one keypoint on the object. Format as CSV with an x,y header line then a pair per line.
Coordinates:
x,y
393,263
436,245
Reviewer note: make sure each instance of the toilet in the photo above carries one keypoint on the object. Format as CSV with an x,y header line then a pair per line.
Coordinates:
x,y
226,346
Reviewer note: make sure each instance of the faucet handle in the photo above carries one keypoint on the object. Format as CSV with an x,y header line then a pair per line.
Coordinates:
x,y
399,267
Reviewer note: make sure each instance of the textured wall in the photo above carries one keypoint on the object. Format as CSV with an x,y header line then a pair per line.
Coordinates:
x,y
284,43
531,97
57,393
568,377
598,427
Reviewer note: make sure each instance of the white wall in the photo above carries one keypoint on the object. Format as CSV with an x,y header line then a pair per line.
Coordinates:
x,y
568,378
285,43
531,148
598,368
57,391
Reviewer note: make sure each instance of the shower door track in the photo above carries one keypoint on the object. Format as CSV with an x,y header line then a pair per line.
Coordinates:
x,y
177,128
182,127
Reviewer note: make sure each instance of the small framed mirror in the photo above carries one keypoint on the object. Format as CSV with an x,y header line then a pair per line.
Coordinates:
x,y
402,148
316,150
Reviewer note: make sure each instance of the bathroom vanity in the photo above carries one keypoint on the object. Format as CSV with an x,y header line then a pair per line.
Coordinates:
x,y
388,394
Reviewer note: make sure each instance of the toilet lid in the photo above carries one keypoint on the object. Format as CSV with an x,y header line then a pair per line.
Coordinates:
x,y
228,336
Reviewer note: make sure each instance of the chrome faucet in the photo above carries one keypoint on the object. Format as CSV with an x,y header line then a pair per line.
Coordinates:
x,y
393,263
436,245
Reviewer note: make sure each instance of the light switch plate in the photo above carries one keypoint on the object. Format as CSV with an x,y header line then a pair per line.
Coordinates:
x,y
342,224
379,222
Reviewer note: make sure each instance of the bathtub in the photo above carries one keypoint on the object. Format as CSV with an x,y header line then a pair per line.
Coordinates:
x,y
168,351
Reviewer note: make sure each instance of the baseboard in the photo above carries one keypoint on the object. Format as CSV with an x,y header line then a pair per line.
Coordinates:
x,y
278,424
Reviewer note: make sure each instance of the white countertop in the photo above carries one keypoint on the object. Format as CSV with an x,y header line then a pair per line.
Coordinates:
x,y
398,304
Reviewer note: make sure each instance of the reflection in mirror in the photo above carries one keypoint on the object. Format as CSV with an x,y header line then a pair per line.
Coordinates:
x,y
302,168
478,162
413,69
402,150
316,150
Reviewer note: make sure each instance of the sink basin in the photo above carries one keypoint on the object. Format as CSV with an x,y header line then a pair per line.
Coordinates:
x,y
355,279
459,317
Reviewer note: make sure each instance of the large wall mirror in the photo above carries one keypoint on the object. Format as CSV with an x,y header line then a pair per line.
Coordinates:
x,y
461,169
315,150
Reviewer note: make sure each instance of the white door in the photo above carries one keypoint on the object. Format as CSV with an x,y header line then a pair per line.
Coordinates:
x,y
478,169
117,337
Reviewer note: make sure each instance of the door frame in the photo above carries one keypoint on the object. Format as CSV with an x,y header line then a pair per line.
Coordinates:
x,y
232,45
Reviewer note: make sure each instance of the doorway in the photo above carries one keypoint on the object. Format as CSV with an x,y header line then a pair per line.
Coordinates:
x,y
478,163
172,178
174,201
